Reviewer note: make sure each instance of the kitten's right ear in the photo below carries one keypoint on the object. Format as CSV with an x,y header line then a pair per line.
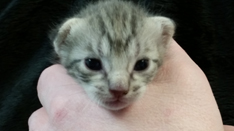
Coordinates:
x,y
63,32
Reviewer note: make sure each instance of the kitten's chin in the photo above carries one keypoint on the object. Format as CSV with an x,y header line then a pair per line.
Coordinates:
x,y
118,104
115,105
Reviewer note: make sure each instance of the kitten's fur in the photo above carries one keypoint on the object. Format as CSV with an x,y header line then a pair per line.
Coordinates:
x,y
118,33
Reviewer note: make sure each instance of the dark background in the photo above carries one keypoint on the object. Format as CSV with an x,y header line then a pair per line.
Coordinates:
x,y
205,29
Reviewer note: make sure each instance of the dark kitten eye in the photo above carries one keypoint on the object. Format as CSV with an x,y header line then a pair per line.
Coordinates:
x,y
141,65
93,64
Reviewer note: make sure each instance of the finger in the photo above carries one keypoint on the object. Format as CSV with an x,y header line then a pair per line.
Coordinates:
x,y
54,76
55,84
174,51
61,96
179,69
187,78
181,87
177,62
228,128
38,121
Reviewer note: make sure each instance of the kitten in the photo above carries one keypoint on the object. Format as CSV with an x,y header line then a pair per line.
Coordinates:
x,y
113,49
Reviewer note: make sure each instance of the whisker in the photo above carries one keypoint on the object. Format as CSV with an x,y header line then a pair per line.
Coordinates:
x,y
86,107
65,85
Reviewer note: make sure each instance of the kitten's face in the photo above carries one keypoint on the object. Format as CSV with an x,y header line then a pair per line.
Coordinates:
x,y
112,65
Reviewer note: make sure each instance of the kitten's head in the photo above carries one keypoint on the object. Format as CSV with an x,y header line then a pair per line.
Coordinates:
x,y
113,60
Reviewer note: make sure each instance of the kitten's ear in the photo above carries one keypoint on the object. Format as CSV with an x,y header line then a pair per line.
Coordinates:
x,y
166,27
63,32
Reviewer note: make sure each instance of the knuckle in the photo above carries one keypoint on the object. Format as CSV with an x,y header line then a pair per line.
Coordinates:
x,y
59,110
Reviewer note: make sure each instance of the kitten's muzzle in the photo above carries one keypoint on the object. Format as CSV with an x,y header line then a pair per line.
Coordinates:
x,y
118,93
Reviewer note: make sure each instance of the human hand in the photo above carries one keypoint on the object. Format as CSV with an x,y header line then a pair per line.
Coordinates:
x,y
179,98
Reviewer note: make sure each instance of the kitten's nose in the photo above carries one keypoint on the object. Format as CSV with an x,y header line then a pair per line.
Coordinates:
x,y
118,93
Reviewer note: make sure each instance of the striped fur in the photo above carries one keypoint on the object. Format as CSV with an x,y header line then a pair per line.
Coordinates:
x,y
119,34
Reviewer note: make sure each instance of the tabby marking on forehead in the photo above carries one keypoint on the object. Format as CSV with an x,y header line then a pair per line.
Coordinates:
x,y
118,23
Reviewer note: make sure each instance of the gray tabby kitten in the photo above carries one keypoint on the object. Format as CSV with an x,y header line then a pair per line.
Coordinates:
x,y
113,49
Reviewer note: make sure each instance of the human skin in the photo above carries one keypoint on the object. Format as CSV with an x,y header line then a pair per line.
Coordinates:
x,y
178,99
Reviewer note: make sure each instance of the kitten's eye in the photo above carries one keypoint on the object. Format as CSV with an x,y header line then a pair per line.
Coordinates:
x,y
141,65
93,64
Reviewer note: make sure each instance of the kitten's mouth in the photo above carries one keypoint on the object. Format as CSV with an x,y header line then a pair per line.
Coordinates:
x,y
116,104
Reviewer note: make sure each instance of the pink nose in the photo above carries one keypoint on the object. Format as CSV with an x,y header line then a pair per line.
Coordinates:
x,y
118,93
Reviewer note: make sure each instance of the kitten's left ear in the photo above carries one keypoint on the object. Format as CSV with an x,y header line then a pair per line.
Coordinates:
x,y
163,29
166,27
